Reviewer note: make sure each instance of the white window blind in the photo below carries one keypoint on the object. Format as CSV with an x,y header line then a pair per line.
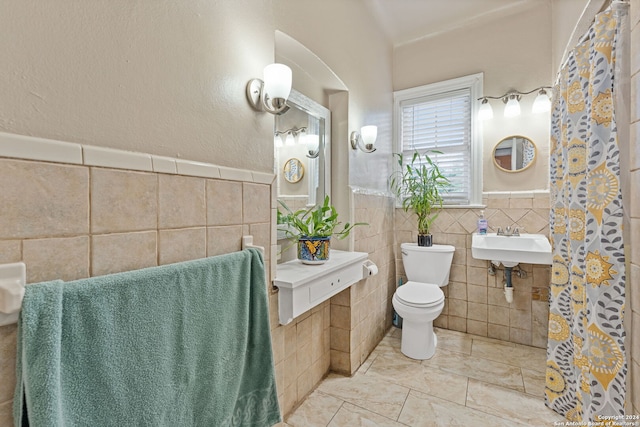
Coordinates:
x,y
442,122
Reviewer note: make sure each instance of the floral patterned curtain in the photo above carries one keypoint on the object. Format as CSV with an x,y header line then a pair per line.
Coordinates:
x,y
586,364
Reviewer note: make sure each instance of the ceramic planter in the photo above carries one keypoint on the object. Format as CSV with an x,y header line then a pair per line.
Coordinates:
x,y
313,250
425,240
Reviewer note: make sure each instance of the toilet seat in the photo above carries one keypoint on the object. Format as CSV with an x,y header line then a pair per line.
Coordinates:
x,y
420,295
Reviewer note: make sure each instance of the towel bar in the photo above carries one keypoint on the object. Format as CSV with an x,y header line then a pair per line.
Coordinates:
x,y
247,242
12,280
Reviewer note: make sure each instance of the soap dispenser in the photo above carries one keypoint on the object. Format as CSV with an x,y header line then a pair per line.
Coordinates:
x,y
483,224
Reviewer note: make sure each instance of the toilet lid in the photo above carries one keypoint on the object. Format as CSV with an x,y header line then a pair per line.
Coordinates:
x,y
418,294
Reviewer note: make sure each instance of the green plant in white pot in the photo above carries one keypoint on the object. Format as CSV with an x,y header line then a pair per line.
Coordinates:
x,y
419,184
312,229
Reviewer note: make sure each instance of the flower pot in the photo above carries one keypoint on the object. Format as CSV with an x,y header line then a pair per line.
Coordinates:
x,y
425,240
313,250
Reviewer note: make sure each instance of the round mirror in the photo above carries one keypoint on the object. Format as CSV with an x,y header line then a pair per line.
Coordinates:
x,y
293,170
514,153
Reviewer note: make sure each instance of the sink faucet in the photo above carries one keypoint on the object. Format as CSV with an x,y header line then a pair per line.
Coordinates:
x,y
508,231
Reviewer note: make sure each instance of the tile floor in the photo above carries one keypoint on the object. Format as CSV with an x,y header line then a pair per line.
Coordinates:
x,y
471,381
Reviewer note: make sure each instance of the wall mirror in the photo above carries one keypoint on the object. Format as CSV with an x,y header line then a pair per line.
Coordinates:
x,y
302,138
514,153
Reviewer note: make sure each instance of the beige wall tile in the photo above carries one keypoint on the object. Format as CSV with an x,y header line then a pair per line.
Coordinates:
x,y
498,315
340,339
476,311
477,294
341,317
477,328
520,319
181,201
520,336
495,296
516,202
340,362
498,332
457,290
181,245
224,202
457,307
256,202
10,251
113,253
458,323
477,276
123,201
8,336
65,258
222,240
52,202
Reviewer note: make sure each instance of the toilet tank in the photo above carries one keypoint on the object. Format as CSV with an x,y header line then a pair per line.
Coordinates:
x,y
427,264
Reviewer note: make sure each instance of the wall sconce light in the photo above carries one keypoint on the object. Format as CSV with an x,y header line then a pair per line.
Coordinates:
x,y
541,104
365,139
313,145
271,94
291,136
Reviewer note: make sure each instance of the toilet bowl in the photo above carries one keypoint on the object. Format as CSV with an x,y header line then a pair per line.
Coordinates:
x,y
420,301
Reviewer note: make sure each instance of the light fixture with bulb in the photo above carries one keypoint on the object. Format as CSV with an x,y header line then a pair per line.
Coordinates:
x,y
541,104
291,136
313,145
271,94
365,139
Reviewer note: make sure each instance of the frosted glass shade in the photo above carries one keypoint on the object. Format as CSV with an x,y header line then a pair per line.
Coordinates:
x,y
277,81
542,103
512,108
312,142
485,112
369,135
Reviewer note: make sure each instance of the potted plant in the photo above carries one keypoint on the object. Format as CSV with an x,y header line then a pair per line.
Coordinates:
x,y
312,229
420,184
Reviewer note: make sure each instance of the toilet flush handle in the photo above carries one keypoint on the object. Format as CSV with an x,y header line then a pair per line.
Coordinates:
x,y
404,253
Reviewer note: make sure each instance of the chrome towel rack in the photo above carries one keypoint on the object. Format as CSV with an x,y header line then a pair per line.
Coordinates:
x,y
13,278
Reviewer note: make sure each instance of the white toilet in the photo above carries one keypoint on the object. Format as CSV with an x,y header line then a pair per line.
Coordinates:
x,y
420,300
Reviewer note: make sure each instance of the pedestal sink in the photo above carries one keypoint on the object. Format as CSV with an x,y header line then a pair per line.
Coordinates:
x,y
512,250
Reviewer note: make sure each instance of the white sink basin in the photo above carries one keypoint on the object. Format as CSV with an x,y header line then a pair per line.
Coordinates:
x,y
511,250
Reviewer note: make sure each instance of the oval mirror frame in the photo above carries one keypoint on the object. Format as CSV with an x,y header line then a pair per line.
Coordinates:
x,y
525,153
293,170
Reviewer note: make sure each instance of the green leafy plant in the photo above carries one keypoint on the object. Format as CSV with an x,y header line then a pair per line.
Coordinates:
x,y
318,221
420,184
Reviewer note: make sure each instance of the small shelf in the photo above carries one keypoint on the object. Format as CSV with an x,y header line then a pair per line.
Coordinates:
x,y
302,287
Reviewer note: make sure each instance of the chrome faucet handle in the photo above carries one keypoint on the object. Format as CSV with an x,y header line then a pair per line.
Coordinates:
x,y
516,232
500,232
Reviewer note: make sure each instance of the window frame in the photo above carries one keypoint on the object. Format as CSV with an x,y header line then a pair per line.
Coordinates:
x,y
474,83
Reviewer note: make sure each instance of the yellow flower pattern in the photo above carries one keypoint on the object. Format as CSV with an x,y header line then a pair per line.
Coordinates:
x,y
586,366
599,271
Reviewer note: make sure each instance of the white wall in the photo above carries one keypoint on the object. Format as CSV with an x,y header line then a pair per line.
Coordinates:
x,y
347,39
155,76
514,53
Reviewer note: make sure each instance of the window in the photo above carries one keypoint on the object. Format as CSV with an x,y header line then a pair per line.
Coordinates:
x,y
442,117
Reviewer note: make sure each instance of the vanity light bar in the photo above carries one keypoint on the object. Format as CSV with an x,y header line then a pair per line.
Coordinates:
x,y
512,98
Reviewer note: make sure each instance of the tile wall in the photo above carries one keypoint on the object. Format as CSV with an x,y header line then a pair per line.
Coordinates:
x,y
361,315
475,302
75,221
633,292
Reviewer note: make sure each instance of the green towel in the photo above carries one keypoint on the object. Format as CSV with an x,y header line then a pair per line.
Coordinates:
x,y
179,345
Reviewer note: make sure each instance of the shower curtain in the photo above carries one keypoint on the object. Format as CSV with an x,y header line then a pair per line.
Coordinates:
x,y
586,364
